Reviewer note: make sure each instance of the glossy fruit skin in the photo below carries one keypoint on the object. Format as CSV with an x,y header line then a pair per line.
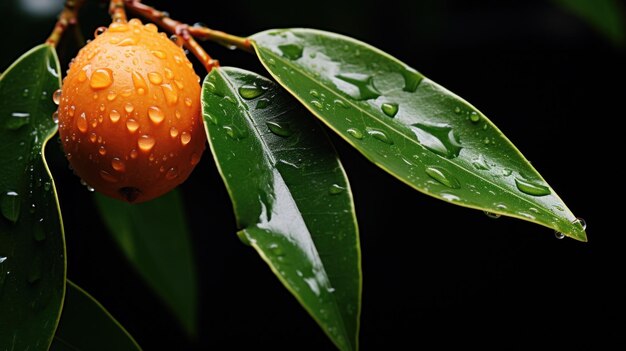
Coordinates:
x,y
129,113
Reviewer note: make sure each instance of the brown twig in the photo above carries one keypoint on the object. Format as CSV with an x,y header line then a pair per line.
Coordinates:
x,y
181,30
67,17
116,10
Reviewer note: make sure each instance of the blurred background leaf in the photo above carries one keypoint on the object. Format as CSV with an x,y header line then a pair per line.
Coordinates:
x,y
605,16
87,326
155,238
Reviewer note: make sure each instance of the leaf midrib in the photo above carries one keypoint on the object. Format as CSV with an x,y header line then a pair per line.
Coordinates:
x,y
266,147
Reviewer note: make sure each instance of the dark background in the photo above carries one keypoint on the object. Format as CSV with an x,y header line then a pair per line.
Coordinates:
x,y
435,275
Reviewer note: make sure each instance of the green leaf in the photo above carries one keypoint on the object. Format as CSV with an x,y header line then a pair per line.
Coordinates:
x,y
410,126
290,194
606,16
87,326
155,238
32,245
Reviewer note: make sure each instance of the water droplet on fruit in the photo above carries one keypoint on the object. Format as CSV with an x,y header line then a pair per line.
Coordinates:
x,y
133,154
139,83
118,164
159,54
188,102
132,125
443,176
81,122
531,188
101,78
146,143
55,117
173,132
118,27
389,109
170,94
129,107
185,138
99,31
102,150
156,115
155,78
169,74
129,41
93,137
111,95
171,174
107,176
114,116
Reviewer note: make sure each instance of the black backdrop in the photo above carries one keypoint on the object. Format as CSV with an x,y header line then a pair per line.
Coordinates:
x,y
435,275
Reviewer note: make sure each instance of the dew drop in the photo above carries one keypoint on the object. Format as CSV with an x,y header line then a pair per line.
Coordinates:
x,y
156,115
363,83
93,137
580,221
355,133
170,94
179,84
558,235
159,54
139,83
102,150
531,188
107,176
438,138
111,95
146,143
263,103
133,154
185,138
480,163
101,78
130,41
132,125
341,104
10,205
155,78
195,158
171,174
56,96
291,51
173,132
336,189
379,135
457,110
114,116
118,164
443,176
474,117
129,107
99,31
55,117
18,120
188,102
82,75
492,215
280,129
81,122
169,74
249,91
118,27
314,93
389,109
317,104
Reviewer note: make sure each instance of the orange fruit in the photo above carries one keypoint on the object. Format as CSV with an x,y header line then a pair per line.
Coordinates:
x,y
129,113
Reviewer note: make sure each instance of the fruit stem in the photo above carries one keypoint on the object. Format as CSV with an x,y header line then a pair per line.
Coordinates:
x,y
181,30
225,39
117,12
67,17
